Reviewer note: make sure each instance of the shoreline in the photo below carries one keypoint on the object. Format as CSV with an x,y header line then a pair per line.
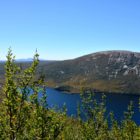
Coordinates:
x,y
78,91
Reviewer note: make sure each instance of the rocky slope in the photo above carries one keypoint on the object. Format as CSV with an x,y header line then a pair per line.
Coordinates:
x,y
108,71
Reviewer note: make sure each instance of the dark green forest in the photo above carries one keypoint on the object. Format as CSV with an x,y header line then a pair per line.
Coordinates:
x,y
25,117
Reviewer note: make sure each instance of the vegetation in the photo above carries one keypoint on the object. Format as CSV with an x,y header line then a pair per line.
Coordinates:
x,y
24,116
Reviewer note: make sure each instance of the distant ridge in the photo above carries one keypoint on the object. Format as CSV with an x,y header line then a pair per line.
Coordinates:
x,y
24,60
29,60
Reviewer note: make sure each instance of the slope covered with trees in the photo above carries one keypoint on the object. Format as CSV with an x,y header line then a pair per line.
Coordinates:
x,y
110,71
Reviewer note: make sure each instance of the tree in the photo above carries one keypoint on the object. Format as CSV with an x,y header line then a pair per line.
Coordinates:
x,y
23,114
16,91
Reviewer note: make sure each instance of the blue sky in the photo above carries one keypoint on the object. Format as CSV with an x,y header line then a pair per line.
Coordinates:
x,y
63,29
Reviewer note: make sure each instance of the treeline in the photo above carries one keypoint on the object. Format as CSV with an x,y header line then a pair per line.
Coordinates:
x,y
24,116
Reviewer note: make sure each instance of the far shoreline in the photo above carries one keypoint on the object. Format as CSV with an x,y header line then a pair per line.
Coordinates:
x,y
78,91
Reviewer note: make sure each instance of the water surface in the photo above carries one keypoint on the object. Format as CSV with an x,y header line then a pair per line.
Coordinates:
x,y
117,103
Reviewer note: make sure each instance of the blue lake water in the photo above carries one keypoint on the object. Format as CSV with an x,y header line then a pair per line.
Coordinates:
x,y
117,103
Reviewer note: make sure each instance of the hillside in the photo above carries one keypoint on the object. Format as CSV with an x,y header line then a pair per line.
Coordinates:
x,y
108,71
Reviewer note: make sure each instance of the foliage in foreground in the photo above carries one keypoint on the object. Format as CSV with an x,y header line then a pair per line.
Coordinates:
x,y
24,116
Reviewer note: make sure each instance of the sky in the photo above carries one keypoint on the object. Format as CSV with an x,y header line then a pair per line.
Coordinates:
x,y
66,29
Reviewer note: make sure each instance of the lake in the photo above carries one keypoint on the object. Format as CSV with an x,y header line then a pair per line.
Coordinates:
x,y
117,103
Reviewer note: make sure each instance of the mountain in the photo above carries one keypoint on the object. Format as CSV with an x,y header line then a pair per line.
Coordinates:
x,y
107,71
31,59
24,60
